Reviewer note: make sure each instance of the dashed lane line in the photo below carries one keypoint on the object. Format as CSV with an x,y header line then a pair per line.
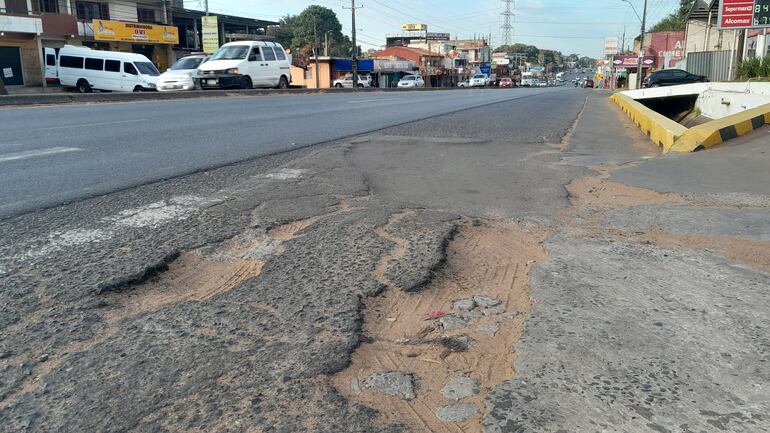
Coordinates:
x,y
35,153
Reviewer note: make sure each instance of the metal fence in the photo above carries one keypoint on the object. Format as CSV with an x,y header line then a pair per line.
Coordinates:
x,y
715,65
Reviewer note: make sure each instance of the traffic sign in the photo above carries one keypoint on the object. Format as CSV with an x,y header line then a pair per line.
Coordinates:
x,y
744,14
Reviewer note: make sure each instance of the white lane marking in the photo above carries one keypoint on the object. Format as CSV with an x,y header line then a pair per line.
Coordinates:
x,y
86,125
34,153
372,100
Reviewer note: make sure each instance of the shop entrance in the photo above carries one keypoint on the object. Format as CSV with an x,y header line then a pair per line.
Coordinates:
x,y
10,66
145,50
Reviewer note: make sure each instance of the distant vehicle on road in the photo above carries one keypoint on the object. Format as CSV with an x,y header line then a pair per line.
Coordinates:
x,y
672,77
479,80
87,70
182,75
589,84
527,79
247,64
347,81
411,81
505,82
464,83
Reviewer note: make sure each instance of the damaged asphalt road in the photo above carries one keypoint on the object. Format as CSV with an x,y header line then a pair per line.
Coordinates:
x,y
271,295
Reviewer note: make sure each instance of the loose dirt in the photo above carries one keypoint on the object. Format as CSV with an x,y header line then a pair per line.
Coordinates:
x,y
483,259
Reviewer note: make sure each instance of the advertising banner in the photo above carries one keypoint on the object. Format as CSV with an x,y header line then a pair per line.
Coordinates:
x,y
414,27
633,61
668,48
610,46
743,14
135,32
210,33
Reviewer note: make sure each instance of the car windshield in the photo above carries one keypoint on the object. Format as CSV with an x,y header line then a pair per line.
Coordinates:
x,y
187,63
408,77
235,52
479,76
146,68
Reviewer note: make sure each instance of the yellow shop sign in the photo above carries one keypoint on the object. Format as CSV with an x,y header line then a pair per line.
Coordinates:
x,y
135,32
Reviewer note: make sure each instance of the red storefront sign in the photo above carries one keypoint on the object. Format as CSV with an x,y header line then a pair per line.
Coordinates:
x,y
742,14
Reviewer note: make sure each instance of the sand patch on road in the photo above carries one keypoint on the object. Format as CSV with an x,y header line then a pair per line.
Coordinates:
x,y
492,260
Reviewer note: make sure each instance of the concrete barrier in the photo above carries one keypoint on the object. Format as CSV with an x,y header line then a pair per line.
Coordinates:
x,y
718,131
661,130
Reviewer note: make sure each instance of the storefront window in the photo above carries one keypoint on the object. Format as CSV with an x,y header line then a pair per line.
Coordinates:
x,y
145,15
50,6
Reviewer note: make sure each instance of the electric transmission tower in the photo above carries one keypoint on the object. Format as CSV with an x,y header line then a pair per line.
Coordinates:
x,y
505,27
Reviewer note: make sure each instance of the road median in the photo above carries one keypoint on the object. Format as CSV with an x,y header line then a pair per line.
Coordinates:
x,y
99,97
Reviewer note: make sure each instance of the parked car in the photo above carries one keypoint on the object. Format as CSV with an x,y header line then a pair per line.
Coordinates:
x,y
589,83
672,77
479,80
86,70
505,82
347,81
182,75
247,64
464,83
411,81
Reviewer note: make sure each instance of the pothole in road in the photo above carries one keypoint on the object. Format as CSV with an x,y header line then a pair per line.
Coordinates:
x,y
450,362
206,272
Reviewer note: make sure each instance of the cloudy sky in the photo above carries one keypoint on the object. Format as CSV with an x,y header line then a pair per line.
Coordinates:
x,y
569,26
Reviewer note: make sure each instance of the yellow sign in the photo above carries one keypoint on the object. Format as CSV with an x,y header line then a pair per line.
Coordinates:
x,y
135,32
414,27
210,33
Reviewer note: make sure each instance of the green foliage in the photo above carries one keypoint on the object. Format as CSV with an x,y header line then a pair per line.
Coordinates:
x,y
754,68
677,21
542,56
298,33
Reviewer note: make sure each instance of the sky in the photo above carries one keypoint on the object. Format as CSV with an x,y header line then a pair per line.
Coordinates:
x,y
576,26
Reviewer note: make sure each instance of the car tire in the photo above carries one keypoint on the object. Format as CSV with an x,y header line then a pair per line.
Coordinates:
x,y
338,85
654,85
360,86
246,83
83,86
283,83
138,89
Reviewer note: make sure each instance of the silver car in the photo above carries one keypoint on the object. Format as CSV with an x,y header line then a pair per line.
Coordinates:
x,y
182,74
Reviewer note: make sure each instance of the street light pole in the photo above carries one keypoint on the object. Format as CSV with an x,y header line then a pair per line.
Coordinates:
x,y
641,48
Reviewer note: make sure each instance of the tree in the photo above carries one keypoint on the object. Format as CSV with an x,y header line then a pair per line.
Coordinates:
x,y
677,21
284,31
317,19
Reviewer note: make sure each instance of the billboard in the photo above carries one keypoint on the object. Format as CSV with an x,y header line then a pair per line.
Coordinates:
x,y
743,14
210,33
610,46
135,32
667,47
633,61
414,27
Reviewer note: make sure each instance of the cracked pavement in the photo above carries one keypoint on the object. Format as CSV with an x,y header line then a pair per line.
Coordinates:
x,y
261,296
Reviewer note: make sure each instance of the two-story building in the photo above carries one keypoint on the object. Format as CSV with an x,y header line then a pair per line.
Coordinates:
x,y
27,27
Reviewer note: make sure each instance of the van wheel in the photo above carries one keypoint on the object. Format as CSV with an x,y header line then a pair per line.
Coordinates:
x,y
283,83
361,86
246,83
138,89
338,85
655,85
83,86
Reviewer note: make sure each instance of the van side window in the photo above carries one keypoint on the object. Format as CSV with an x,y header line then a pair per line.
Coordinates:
x,y
255,56
94,64
129,68
71,62
50,60
280,53
269,54
112,65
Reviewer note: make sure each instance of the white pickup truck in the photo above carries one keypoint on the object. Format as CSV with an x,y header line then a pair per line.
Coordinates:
x,y
347,81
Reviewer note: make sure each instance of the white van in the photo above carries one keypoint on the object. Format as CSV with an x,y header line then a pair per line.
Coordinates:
x,y
86,69
247,64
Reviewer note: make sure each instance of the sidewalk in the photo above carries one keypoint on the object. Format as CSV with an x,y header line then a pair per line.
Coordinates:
x,y
33,90
652,303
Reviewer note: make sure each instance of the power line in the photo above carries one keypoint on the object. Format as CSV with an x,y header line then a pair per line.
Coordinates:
x,y
505,28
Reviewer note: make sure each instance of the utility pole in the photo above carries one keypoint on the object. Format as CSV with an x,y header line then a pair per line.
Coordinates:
x,y
354,62
623,45
326,44
315,54
641,48
206,5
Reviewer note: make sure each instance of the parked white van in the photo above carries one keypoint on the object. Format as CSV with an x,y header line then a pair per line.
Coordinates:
x,y
247,64
86,69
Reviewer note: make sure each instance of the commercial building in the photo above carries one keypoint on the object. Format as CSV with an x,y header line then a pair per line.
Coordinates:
x,y
27,27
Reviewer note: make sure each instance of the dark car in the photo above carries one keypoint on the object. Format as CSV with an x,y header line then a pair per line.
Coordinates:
x,y
672,77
